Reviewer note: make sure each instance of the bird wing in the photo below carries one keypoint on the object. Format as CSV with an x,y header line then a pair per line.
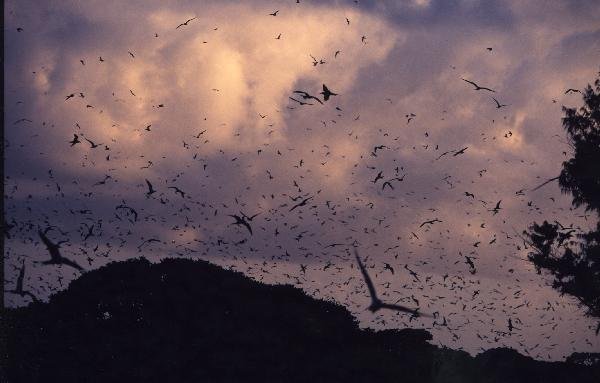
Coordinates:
x,y
315,98
400,308
471,82
247,225
71,263
366,277
45,239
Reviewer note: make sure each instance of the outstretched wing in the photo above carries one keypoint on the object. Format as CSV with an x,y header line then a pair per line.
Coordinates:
x,y
368,281
247,225
470,82
401,308
73,264
315,98
150,188
45,239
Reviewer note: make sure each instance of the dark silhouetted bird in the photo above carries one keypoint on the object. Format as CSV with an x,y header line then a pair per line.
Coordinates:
x,y
19,287
496,209
55,257
461,151
186,23
241,221
376,303
498,104
327,93
75,140
477,87
307,96
150,189
302,203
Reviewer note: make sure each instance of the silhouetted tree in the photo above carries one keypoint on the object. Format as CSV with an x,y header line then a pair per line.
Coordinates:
x,y
572,257
189,321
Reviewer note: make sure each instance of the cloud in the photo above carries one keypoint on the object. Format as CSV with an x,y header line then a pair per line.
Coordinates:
x,y
186,109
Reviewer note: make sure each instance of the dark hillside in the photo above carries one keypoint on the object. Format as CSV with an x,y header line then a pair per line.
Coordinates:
x,y
190,321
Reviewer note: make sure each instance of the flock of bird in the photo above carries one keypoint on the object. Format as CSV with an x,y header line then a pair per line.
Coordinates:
x,y
297,222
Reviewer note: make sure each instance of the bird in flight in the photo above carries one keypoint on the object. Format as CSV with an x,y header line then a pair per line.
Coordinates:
x,y
389,182
300,102
274,13
307,96
93,145
186,23
376,303
497,208
571,90
469,261
477,87
53,248
430,222
462,151
387,266
412,272
241,221
75,140
150,189
378,177
178,191
22,120
302,203
498,105
19,288
327,93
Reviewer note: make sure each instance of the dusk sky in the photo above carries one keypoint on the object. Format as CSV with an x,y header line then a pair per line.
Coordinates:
x,y
204,112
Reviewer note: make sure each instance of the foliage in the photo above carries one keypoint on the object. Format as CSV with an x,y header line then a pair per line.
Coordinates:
x,y
573,257
189,321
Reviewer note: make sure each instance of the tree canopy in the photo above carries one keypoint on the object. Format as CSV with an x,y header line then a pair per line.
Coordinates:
x,y
570,255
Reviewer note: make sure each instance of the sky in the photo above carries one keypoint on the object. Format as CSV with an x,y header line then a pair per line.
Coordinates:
x,y
204,112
